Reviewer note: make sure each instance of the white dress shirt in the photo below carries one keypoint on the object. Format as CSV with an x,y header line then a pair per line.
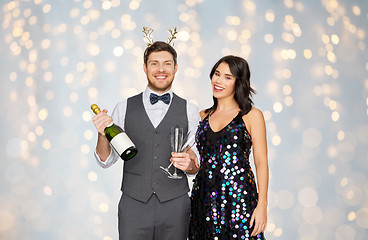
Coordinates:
x,y
156,112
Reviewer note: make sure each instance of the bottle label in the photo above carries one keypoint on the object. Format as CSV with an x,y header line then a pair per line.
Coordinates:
x,y
121,142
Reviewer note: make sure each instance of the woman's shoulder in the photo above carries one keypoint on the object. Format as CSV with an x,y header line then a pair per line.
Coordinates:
x,y
203,114
254,114
254,120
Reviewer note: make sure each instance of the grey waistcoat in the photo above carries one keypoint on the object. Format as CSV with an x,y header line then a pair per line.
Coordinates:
x,y
142,175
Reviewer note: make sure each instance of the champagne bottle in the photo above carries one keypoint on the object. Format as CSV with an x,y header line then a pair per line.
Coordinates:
x,y
118,139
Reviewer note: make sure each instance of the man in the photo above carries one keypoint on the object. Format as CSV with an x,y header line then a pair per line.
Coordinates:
x,y
152,206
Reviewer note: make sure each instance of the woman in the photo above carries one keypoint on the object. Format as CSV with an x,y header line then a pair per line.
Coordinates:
x,y
225,202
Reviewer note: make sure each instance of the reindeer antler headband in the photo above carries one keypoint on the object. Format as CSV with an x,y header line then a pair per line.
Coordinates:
x,y
148,35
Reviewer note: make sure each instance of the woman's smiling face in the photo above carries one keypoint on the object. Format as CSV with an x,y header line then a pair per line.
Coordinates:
x,y
223,82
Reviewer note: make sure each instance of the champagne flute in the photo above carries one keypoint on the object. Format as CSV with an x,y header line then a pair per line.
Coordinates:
x,y
176,140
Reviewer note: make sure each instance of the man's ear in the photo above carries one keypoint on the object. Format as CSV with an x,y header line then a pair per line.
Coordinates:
x,y
144,68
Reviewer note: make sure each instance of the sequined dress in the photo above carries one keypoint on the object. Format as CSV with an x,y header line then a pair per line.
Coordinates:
x,y
224,192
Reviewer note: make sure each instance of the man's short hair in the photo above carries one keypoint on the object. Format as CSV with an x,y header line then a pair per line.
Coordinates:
x,y
159,46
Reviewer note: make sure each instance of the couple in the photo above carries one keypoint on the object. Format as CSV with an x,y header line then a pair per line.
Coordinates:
x,y
224,203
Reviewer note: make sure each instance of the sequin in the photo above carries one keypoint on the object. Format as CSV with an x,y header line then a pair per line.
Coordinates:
x,y
224,192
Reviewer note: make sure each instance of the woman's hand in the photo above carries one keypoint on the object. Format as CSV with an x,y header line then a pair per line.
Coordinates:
x,y
259,219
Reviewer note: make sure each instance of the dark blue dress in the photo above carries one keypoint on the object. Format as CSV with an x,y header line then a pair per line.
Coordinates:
x,y
224,193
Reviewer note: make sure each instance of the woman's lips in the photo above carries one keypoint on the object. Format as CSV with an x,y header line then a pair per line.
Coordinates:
x,y
217,88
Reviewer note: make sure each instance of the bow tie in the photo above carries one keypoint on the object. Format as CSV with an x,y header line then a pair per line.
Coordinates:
x,y
154,98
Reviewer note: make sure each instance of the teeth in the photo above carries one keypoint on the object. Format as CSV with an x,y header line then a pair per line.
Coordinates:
x,y
218,88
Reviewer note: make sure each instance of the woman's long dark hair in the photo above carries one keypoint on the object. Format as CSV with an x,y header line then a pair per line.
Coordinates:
x,y
239,68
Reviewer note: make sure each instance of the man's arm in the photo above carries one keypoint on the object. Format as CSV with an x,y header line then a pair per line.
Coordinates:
x,y
193,122
101,121
104,154
188,161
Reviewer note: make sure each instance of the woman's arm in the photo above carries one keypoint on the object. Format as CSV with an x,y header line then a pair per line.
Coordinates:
x,y
257,129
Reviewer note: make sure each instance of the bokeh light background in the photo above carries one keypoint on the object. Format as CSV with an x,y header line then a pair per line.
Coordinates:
x,y
309,64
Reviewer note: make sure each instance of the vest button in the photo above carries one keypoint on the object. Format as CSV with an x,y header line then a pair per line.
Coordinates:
x,y
155,157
